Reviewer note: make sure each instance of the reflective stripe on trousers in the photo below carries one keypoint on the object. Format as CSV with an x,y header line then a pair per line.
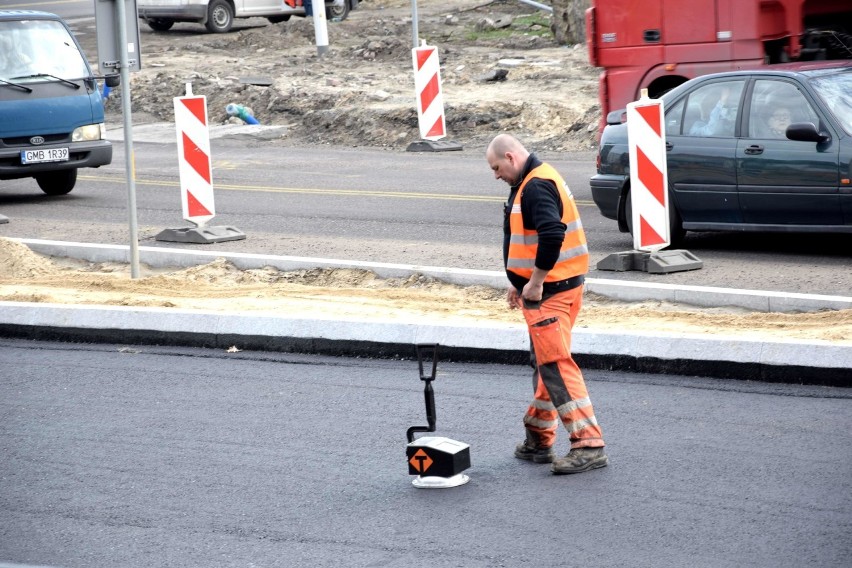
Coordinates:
x,y
560,391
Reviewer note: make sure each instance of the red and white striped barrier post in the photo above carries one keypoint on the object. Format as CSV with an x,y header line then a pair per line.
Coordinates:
x,y
427,85
649,196
195,167
430,102
648,174
194,164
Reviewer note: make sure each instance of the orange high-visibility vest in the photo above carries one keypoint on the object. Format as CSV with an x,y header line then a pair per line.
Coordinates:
x,y
523,243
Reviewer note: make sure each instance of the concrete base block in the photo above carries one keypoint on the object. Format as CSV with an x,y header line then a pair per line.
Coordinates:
x,y
660,262
201,235
433,146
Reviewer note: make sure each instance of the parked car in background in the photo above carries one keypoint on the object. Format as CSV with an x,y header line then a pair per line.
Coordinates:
x,y
51,111
763,150
218,15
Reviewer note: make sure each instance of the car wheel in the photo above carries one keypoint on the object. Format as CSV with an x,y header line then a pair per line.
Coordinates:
x,y
676,230
57,183
159,25
628,212
337,13
278,19
220,16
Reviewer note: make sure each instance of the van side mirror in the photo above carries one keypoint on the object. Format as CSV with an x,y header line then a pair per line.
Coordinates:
x,y
806,132
112,80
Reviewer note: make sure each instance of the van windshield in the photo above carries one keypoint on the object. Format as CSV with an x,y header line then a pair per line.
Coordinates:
x,y
32,50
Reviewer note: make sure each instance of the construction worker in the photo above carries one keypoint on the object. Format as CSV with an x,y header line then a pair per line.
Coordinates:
x,y
306,4
546,259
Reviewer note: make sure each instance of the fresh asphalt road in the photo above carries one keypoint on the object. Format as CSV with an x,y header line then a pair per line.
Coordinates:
x,y
439,209
117,456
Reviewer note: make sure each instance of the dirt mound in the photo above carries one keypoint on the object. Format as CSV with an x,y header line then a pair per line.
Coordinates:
x,y
17,261
361,93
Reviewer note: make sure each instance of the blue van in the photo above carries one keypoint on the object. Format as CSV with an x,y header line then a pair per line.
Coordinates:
x,y
51,110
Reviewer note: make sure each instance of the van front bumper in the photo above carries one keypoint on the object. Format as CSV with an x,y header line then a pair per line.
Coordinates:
x,y
184,13
80,155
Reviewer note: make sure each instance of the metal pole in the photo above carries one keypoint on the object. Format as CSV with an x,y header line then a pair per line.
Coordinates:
x,y
320,26
537,5
414,31
129,161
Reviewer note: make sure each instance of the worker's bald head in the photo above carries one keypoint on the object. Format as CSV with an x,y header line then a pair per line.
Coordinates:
x,y
503,143
507,158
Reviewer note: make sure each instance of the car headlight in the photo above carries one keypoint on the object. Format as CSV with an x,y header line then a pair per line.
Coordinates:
x,y
89,132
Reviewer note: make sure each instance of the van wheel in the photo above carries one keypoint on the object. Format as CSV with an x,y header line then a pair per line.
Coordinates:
x,y
159,25
57,183
337,13
676,230
220,16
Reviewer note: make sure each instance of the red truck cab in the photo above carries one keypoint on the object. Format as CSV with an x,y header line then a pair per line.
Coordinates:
x,y
660,44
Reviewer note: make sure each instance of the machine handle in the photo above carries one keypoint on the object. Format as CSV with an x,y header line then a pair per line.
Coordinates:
x,y
426,350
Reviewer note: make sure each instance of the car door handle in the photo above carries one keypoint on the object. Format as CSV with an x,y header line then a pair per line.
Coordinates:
x,y
669,146
754,149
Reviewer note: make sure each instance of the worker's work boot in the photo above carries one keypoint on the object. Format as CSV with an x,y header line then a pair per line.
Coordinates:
x,y
531,450
579,460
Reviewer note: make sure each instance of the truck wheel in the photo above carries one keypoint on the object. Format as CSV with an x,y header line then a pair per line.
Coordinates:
x,y
337,13
220,16
159,25
57,183
676,230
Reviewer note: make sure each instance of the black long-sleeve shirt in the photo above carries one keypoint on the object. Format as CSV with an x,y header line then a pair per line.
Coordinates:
x,y
541,209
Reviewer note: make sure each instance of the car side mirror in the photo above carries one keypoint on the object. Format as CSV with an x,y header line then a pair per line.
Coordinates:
x,y
806,132
617,117
112,80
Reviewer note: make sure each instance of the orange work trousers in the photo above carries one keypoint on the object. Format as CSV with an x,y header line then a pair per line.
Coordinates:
x,y
560,391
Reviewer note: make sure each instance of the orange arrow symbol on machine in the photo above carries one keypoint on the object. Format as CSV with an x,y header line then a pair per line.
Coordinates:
x,y
420,461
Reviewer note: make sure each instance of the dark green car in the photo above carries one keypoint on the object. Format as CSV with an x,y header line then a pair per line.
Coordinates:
x,y
767,150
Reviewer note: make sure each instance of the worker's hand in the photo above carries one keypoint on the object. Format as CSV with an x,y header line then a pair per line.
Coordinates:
x,y
513,298
532,292
534,289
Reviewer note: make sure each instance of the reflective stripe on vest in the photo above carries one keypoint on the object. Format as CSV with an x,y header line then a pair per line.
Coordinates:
x,y
523,244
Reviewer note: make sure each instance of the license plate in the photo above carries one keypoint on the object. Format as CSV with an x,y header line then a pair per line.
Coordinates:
x,y
44,155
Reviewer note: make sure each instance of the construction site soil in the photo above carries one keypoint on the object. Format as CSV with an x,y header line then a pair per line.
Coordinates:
x,y
361,91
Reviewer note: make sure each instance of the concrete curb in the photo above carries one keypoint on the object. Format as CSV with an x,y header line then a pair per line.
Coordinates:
x,y
164,132
811,362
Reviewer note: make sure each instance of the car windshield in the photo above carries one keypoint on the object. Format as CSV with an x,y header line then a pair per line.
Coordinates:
x,y
836,92
33,50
